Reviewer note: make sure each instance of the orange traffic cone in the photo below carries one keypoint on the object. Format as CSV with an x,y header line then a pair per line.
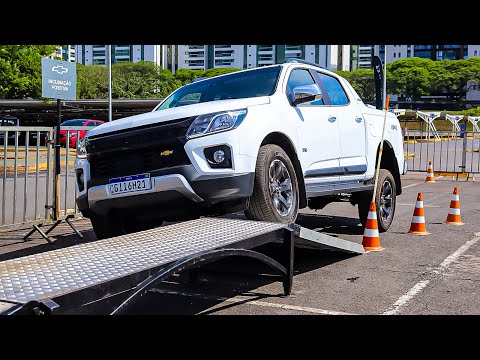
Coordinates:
x,y
371,239
430,177
453,217
418,226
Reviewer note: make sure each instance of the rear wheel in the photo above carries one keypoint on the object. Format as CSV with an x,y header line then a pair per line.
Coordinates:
x,y
275,192
385,201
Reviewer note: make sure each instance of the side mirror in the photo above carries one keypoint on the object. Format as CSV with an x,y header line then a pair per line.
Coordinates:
x,y
305,93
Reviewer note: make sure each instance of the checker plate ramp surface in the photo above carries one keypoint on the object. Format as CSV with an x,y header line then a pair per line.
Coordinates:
x,y
54,273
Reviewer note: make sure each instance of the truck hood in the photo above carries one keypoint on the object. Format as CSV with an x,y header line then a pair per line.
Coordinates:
x,y
160,116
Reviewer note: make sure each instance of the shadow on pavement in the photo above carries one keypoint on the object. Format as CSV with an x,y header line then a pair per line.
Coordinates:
x,y
39,245
214,283
331,224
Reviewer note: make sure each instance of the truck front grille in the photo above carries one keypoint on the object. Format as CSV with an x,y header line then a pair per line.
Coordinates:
x,y
138,150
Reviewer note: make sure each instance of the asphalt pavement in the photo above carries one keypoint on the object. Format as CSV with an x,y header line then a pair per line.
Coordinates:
x,y
437,274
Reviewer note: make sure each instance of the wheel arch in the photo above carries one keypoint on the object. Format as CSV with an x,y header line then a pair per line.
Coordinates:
x,y
286,144
389,162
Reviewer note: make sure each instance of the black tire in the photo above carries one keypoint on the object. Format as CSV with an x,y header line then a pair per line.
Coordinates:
x,y
385,203
105,227
268,201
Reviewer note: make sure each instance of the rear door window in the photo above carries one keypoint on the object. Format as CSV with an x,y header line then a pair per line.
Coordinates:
x,y
334,89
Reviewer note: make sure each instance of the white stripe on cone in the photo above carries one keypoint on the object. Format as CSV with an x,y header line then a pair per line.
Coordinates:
x,y
419,204
371,233
372,215
418,219
455,197
454,211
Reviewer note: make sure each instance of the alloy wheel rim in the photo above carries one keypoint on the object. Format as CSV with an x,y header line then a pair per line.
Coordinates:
x,y
280,186
386,201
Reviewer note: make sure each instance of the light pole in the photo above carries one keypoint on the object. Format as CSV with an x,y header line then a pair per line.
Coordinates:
x,y
109,64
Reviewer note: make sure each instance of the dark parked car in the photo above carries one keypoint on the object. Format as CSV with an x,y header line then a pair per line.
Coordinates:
x,y
9,121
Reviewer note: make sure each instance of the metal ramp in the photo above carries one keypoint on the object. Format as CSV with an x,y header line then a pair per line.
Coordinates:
x,y
307,238
72,279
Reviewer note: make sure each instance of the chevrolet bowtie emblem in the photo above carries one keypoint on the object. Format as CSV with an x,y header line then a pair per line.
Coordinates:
x,y
166,153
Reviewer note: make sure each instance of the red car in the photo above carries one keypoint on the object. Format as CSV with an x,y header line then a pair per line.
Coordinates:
x,y
89,123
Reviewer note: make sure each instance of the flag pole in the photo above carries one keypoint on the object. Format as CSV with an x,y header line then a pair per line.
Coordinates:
x,y
386,100
109,50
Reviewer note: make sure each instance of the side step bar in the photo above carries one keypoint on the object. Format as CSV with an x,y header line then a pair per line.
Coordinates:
x,y
314,190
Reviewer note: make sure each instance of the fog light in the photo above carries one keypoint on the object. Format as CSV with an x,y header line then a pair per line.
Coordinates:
x,y
218,156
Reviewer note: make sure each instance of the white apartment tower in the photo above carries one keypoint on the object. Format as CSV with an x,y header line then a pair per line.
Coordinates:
x,y
96,54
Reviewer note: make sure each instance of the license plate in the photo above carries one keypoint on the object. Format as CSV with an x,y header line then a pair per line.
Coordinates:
x,y
132,183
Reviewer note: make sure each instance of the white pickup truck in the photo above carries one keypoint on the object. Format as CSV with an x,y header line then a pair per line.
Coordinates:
x,y
268,141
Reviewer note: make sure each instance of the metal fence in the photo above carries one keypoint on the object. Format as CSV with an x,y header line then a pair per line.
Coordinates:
x,y
452,152
26,169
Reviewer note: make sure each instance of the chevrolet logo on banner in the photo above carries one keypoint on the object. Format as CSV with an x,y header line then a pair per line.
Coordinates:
x,y
166,153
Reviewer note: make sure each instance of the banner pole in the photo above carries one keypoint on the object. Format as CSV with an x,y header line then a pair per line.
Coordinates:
x,y
386,100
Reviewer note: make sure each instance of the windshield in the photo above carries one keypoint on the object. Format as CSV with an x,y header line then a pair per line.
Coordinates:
x,y
78,122
246,84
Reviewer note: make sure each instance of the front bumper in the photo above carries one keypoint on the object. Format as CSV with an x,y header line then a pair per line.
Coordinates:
x,y
168,190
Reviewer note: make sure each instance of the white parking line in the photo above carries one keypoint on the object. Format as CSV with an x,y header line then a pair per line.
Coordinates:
x,y
244,299
440,269
433,206
415,184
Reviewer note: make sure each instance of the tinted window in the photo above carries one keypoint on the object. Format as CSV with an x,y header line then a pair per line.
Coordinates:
x,y
299,77
238,85
92,124
334,89
77,122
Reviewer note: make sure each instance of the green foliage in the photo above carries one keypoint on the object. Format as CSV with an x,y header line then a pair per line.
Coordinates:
x,y
471,112
185,76
92,82
363,81
140,80
21,70
143,79
412,82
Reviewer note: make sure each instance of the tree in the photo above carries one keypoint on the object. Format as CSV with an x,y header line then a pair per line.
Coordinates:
x,y
135,80
185,76
166,83
21,70
363,81
412,82
143,79
410,76
92,82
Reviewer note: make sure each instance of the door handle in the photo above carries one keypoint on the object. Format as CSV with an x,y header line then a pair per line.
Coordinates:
x,y
358,119
332,119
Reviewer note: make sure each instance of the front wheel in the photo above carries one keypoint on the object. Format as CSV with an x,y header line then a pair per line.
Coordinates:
x,y
385,201
275,193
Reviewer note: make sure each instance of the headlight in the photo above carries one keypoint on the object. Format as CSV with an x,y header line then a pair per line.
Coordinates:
x,y
216,122
82,147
